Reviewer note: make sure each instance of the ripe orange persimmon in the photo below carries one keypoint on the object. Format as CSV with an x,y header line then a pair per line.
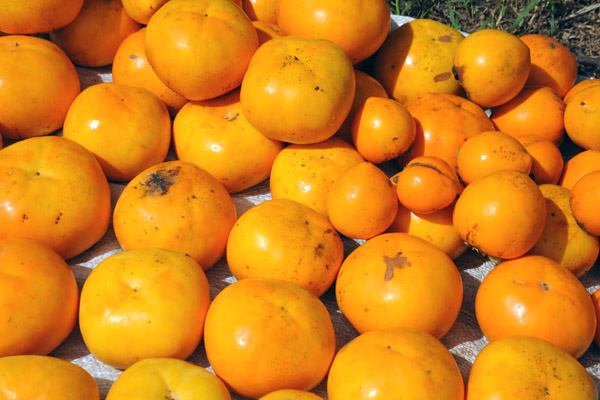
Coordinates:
x,y
178,206
266,31
142,10
396,279
358,26
596,302
37,16
582,118
492,66
93,37
546,159
298,89
525,367
491,151
427,184
416,59
261,10
400,363
53,190
563,240
552,64
131,67
578,166
291,394
305,172
216,135
263,335
382,129
362,202
502,214
578,87
33,68
143,303
585,197
127,128
38,298
184,38
44,377
284,239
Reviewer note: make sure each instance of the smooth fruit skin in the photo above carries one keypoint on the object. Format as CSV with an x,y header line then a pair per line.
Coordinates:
x,y
396,279
416,59
579,165
546,159
127,128
160,378
216,135
185,37
492,66
291,394
38,298
585,197
501,214
142,10
37,16
298,89
358,26
143,303
534,296
563,240
284,239
261,10
44,377
93,37
263,335
38,83
53,190
578,87
582,118
178,206
528,368
400,364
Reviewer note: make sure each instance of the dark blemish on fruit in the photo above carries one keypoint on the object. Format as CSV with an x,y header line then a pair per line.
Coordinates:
x,y
57,220
232,119
445,38
398,261
319,250
24,218
545,287
133,56
552,46
158,183
442,77
316,88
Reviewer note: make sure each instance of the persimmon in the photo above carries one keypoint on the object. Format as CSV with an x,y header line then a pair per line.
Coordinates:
x,y
401,363
93,37
143,303
178,206
131,67
298,89
582,118
444,122
53,190
546,159
396,279
37,16
534,296
266,31
578,87
552,64
358,26
528,367
502,214
151,378
127,128
563,240
33,68
492,66
284,239
261,10
263,335
305,172
534,111
596,302
291,394
585,197
216,135
437,228
382,129
362,202
142,10
427,184
416,59
185,37
38,298
45,377
491,151
576,167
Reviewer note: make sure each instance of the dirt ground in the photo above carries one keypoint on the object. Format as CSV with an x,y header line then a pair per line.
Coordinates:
x,y
574,23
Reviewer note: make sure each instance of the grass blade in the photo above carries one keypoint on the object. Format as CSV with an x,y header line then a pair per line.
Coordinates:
x,y
522,15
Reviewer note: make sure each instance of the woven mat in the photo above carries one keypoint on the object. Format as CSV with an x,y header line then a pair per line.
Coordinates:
x,y
464,340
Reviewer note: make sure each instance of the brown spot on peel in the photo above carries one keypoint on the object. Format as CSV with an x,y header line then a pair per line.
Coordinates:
x,y
442,77
398,261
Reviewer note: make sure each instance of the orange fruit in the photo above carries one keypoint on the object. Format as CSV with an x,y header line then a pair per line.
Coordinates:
x,y
585,197
263,335
492,66
266,31
582,118
362,202
395,280
291,394
37,16
546,159
261,10
142,10
534,296
33,68
578,87
579,165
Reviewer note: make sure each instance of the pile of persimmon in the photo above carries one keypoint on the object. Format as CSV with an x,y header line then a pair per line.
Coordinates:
x,y
382,157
